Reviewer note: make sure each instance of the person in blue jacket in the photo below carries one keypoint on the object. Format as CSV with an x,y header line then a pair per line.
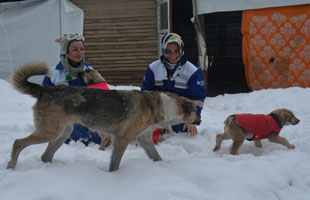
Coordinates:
x,y
72,62
174,73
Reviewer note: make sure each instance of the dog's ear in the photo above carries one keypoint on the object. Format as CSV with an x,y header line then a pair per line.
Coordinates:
x,y
80,75
188,106
283,116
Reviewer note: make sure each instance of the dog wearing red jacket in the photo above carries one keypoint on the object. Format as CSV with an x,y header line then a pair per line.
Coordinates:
x,y
239,127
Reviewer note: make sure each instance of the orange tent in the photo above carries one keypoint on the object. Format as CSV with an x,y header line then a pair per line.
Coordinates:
x,y
276,47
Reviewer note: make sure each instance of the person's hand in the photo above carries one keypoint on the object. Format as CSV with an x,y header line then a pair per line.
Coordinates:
x,y
191,129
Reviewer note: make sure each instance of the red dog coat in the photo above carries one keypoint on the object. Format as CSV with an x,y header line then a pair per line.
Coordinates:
x,y
260,125
102,85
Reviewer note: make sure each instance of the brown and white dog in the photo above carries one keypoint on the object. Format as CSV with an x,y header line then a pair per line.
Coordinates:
x,y
122,114
239,127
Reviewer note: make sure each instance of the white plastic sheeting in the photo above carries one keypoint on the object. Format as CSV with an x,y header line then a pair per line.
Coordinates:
x,y
28,30
210,6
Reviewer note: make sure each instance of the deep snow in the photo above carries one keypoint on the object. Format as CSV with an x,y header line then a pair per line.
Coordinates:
x,y
190,170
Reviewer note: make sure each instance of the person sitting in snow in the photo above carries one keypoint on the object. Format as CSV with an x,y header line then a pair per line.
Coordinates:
x,y
174,73
72,61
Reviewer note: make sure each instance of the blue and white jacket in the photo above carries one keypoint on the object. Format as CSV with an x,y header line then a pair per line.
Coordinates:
x,y
60,76
187,81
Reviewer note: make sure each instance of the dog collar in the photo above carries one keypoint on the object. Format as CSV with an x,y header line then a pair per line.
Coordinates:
x,y
276,118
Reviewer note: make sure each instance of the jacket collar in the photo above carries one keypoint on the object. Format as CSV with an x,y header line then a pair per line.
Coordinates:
x,y
59,66
276,118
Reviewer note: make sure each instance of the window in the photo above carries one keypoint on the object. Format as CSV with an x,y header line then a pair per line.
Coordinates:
x,y
163,12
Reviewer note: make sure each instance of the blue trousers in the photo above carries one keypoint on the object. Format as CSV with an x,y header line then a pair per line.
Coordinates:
x,y
84,135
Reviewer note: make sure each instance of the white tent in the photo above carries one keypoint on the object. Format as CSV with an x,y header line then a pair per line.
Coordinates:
x,y
28,30
210,6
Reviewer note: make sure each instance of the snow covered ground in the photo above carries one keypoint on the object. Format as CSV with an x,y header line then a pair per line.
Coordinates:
x,y
190,170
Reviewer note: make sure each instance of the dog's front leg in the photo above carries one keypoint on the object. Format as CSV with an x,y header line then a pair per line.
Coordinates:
x,y
146,142
281,140
237,142
258,143
119,147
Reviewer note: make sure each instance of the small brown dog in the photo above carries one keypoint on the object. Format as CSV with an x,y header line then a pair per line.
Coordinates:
x,y
239,127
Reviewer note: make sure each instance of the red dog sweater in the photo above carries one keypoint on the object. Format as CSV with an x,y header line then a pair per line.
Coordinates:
x,y
260,125
102,85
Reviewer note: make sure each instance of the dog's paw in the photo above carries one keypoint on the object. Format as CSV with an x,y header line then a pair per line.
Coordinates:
x,y
291,146
105,142
11,165
232,152
258,143
216,148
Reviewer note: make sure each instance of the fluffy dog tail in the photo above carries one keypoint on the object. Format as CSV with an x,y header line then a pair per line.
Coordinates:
x,y
21,75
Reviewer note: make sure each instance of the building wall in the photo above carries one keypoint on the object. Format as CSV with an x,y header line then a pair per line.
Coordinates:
x,y
121,38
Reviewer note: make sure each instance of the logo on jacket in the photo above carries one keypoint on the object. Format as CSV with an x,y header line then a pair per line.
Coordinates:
x,y
182,76
201,83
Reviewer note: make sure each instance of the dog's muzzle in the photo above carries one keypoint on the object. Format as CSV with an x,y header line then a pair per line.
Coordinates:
x,y
296,121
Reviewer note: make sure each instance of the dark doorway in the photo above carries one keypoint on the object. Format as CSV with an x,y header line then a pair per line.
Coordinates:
x,y
181,14
226,72
224,46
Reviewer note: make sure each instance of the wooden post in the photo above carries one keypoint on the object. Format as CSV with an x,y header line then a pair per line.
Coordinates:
x,y
203,58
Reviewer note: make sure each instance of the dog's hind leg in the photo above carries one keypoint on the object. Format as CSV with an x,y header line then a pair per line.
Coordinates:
x,y
54,145
281,140
146,142
20,144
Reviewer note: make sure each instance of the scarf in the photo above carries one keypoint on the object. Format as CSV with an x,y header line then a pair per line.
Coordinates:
x,y
72,70
170,67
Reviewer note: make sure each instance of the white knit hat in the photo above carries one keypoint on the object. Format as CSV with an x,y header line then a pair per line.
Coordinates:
x,y
66,40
